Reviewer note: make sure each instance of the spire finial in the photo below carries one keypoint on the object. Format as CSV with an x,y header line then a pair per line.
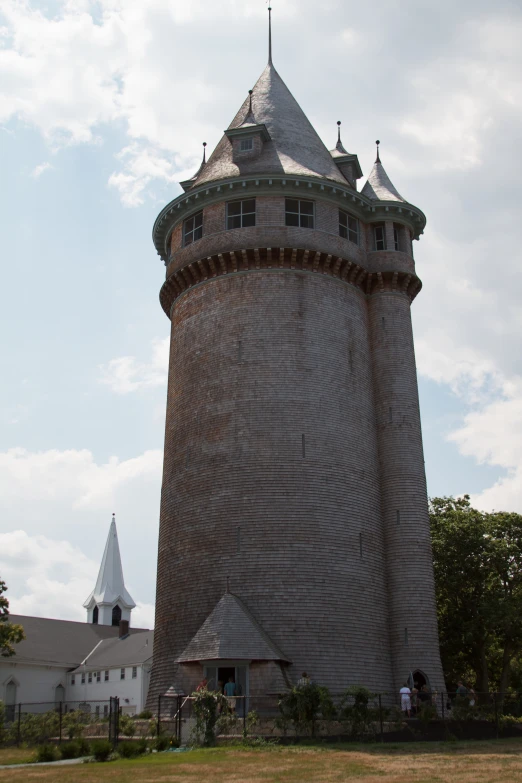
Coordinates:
x,y
377,160
250,104
338,131
270,35
204,152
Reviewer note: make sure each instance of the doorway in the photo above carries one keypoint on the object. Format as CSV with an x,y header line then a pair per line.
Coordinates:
x,y
219,674
418,680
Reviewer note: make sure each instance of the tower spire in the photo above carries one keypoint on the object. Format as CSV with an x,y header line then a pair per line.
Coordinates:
x,y
204,152
377,159
270,35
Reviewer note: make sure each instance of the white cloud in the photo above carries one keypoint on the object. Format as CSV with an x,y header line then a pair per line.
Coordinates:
x,y
39,170
51,578
126,374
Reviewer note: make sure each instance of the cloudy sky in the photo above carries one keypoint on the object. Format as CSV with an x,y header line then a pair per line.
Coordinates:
x,y
104,105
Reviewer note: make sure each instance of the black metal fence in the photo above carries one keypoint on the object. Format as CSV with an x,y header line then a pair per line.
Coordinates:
x,y
40,722
385,717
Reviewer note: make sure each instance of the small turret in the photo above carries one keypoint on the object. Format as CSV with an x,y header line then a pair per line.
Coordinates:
x,y
347,162
379,186
110,602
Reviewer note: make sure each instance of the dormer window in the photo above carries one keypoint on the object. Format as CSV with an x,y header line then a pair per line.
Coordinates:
x,y
193,229
241,214
379,237
299,213
348,227
246,145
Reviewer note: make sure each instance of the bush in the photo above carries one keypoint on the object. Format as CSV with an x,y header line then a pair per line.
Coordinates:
x,y
133,748
127,726
162,742
75,749
356,711
207,705
74,722
303,706
145,715
47,753
101,750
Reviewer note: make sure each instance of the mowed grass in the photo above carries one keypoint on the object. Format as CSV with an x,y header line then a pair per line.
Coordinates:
x,y
471,762
17,755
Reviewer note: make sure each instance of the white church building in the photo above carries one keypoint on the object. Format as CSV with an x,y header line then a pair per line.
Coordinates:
x,y
82,663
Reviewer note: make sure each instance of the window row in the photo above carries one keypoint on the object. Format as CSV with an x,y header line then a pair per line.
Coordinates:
x,y
96,676
298,212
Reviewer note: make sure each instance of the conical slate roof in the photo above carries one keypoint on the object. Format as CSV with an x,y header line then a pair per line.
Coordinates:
x,y
379,186
231,633
110,585
294,147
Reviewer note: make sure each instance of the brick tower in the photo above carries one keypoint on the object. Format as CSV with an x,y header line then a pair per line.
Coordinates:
x,y
294,528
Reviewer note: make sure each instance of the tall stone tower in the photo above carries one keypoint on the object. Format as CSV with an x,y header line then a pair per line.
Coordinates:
x,y
294,529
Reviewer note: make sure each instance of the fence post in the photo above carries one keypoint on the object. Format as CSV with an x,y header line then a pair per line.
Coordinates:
x,y
380,718
60,719
244,716
158,727
496,713
19,722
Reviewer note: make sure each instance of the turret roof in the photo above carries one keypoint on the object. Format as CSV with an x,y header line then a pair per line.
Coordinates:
x,y
231,633
110,586
379,186
294,147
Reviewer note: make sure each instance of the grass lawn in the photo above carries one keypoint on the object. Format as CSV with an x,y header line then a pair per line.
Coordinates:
x,y
17,755
466,762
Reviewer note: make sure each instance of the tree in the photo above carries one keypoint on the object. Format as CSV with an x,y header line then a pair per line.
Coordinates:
x,y
10,634
478,576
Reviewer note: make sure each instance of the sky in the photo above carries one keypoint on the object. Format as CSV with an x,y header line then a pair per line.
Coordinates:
x,y
104,105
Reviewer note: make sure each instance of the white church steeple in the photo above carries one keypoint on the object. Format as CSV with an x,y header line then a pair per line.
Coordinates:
x,y
110,602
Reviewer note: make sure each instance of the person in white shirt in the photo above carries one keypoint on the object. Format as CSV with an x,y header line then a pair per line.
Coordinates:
x,y
405,699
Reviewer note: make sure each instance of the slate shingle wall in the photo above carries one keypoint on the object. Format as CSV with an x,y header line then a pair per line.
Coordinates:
x,y
257,362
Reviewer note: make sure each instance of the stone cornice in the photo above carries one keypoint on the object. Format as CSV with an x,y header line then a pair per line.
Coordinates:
x,y
285,259
304,187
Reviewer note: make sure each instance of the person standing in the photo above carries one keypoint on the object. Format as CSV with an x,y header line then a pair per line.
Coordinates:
x,y
230,693
303,680
405,695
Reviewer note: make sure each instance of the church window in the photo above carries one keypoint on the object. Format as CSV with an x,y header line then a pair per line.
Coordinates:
x,y
122,674
348,227
90,677
241,214
83,678
97,710
95,615
134,672
379,238
396,237
73,679
193,229
106,675
105,709
116,615
246,145
98,676
299,213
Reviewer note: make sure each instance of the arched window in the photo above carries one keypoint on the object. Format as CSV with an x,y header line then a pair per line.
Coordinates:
x,y
10,701
95,616
59,694
116,615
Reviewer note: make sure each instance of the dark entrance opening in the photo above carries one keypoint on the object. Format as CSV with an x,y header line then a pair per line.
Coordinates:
x,y
95,616
419,679
224,672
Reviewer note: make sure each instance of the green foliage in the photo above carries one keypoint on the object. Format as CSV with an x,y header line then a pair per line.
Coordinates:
x,y
10,634
47,753
36,729
355,711
127,726
74,723
101,749
73,750
207,706
478,576
132,748
163,742
303,706
145,715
